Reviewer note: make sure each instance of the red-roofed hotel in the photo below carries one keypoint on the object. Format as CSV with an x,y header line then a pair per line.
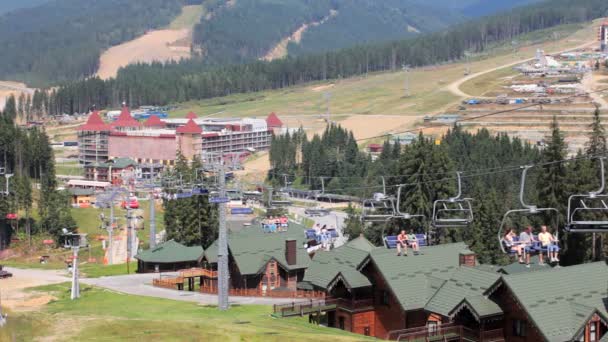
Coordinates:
x,y
156,141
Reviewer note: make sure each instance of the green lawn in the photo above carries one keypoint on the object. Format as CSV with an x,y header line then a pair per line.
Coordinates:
x,y
489,84
69,169
103,315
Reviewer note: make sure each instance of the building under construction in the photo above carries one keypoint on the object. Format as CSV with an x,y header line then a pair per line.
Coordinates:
x,y
603,36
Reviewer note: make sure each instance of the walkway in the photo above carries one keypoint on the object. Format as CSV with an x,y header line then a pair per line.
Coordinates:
x,y
140,285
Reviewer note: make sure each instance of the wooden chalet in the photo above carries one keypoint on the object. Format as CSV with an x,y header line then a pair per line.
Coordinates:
x,y
263,264
445,295
169,256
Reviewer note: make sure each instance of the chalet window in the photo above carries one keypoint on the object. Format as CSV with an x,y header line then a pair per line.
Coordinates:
x,y
385,298
519,328
432,327
593,331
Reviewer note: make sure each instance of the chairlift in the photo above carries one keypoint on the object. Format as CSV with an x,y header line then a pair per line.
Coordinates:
x,y
379,208
582,207
453,212
390,242
529,209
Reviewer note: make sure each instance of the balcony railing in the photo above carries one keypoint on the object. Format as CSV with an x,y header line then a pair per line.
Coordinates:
x,y
446,332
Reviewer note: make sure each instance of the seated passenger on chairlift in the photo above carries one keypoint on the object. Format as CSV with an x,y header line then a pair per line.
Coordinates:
x,y
548,241
526,239
404,241
513,245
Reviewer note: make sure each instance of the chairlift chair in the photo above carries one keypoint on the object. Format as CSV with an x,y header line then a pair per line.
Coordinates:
x,y
526,209
390,241
453,212
594,202
378,209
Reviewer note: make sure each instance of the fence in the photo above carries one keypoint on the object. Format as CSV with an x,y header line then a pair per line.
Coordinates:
x,y
169,283
256,292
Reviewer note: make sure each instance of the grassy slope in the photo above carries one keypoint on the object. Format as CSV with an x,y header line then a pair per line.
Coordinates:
x,y
109,316
189,17
382,93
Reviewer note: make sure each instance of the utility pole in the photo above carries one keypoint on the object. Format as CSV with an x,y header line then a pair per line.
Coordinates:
x,y
223,275
152,221
327,96
406,87
129,238
75,285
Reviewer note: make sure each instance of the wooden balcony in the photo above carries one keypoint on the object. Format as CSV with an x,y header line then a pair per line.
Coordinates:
x,y
320,305
446,332
255,292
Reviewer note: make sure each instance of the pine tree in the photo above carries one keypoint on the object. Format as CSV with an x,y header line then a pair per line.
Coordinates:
x,y
596,146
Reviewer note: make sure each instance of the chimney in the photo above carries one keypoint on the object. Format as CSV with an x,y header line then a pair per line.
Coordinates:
x,y
467,258
291,251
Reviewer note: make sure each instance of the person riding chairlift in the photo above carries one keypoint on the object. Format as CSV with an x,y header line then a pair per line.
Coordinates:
x,y
526,239
404,241
548,241
512,245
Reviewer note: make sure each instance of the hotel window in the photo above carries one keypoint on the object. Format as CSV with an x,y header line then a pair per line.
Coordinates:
x,y
519,328
385,298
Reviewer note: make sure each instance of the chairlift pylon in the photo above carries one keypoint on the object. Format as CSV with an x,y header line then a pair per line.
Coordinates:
x,y
578,224
453,212
526,209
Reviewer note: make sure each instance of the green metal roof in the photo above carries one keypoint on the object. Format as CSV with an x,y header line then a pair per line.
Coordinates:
x,y
251,249
170,252
516,267
464,282
341,263
416,278
361,243
118,163
480,306
560,301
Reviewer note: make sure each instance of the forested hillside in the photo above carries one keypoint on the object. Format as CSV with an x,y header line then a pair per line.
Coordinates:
x,y
62,39
427,170
188,80
248,29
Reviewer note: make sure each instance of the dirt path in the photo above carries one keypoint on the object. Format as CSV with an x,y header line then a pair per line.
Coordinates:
x,y
590,84
280,50
13,291
454,87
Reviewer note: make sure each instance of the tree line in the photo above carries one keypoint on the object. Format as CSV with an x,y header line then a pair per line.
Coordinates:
x,y
160,84
427,170
27,154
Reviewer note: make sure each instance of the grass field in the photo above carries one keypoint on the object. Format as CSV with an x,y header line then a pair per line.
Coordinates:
x,y
69,169
189,17
101,315
490,82
382,93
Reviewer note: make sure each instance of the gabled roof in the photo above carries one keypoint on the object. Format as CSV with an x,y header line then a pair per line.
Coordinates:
x,y
560,301
516,267
116,163
81,192
480,306
191,115
189,128
464,282
343,261
273,120
252,249
154,121
170,252
412,278
95,124
125,119
361,243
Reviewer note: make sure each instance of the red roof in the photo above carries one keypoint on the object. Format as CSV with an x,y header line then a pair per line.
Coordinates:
x,y
273,120
191,115
95,124
190,128
125,119
154,121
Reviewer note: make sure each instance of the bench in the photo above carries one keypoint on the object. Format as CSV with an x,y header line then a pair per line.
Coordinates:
x,y
391,241
310,234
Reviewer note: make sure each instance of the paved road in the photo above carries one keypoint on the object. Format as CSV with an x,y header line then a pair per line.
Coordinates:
x,y
140,284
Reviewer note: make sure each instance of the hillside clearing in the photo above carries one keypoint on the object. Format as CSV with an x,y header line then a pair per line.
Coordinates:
x,y
171,44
